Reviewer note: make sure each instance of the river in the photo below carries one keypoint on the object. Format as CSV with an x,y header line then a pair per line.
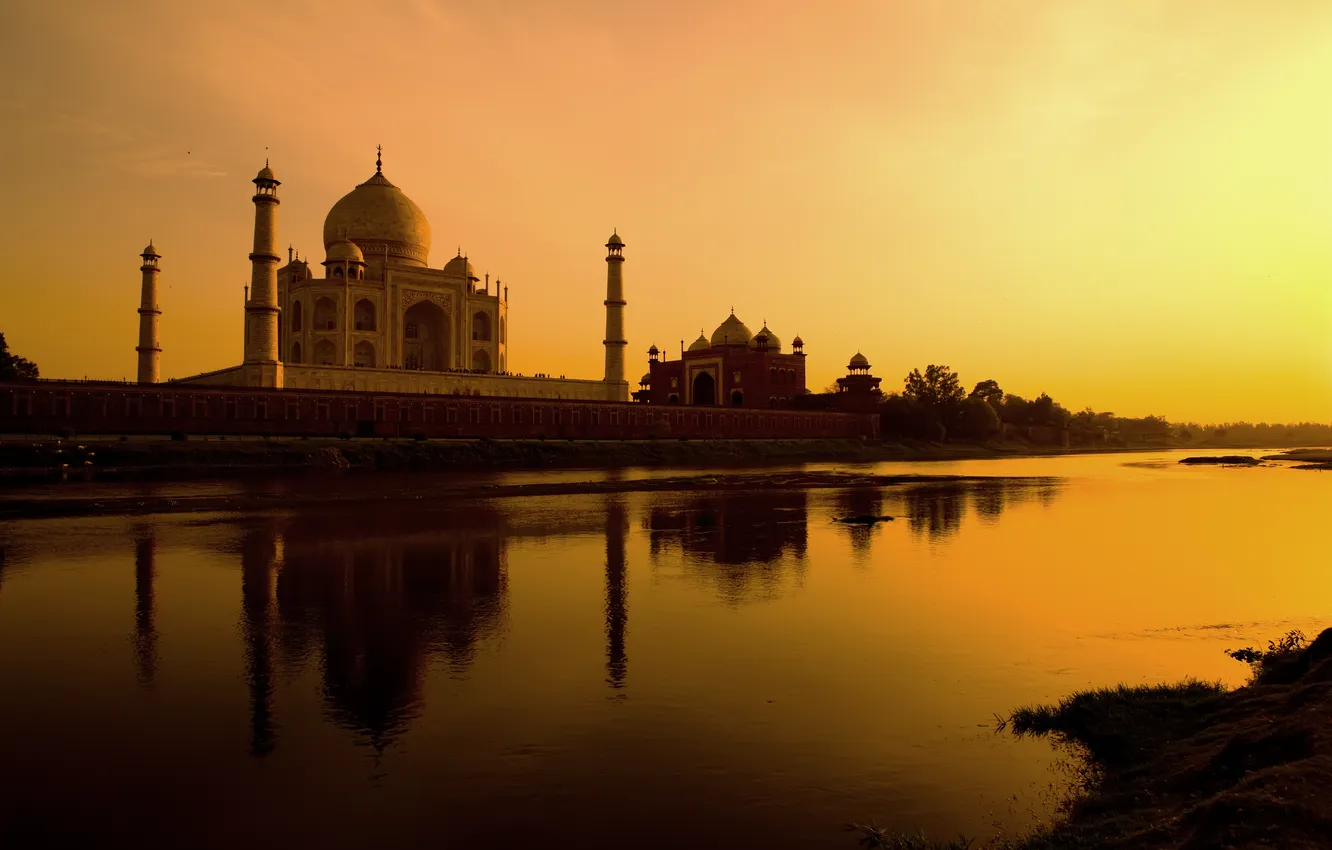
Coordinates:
x,y
638,669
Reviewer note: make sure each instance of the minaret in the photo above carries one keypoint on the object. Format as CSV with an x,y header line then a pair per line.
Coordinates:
x,y
150,347
615,341
263,367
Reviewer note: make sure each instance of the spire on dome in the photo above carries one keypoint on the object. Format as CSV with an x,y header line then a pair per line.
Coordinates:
x,y
379,158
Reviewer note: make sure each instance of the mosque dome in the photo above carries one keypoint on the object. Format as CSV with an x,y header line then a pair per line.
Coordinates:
x,y
150,251
700,344
344,249
797,341
731,332
460,266
858,361
774,344
376,215
615,241
645,380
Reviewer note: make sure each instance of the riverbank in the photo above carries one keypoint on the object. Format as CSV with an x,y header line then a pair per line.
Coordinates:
x,y
35,459
1195,765
326,494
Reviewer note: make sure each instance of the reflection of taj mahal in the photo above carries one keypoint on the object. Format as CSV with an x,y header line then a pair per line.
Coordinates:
x,y
377,317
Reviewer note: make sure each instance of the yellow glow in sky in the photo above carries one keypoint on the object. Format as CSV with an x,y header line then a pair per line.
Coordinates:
x,y
1125,205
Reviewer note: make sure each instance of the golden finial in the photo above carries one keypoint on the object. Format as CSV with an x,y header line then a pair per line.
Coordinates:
x,y
379,158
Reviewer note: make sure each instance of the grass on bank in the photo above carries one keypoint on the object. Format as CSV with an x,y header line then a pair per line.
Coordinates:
x,y
1189,765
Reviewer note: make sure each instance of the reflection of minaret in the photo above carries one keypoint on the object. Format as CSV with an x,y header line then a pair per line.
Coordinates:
x,y
145,631
617,604
257,556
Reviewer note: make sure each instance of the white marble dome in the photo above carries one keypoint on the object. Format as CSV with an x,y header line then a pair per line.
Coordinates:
x,y
376,215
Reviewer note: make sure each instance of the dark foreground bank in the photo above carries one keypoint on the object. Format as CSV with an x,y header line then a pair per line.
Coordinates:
x,y
1196,766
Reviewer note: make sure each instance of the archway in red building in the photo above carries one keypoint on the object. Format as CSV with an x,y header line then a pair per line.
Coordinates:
x,y
737,398
705,389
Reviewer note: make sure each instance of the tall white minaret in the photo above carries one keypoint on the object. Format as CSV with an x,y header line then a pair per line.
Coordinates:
x,y
615,341
150,346
263,367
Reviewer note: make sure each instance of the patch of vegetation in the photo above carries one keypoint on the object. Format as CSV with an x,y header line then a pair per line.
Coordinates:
x,y
15,368
1120,724
1194,765
873,836
1279,663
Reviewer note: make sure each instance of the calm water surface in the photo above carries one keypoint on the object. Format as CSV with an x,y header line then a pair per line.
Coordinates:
x,y
649,669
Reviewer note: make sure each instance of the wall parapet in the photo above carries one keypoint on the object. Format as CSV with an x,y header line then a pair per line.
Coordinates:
x,y
97,408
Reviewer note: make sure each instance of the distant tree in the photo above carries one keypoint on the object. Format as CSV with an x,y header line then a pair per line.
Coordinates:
x,y
989,392
13,367
936,394
937,388
904,417
975,419
1047,412
1014,410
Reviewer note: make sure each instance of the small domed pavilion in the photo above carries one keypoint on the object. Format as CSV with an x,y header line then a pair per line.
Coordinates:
x,y
734,367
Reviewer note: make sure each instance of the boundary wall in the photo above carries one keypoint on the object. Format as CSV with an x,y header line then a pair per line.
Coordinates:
x,y
52,407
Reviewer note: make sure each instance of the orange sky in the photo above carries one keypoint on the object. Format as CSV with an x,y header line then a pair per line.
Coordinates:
x,y
1124,204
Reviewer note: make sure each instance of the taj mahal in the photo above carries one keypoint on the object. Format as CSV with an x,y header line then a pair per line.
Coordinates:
x,y
378,343
377,317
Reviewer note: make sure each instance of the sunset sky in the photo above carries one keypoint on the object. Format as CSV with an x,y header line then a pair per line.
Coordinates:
x,y
1126,204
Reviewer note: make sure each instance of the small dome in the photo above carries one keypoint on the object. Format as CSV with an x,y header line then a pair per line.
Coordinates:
x,y
645,380
731,332
700,344
150,251
345,250
798,342
460,266
266,173
859,361
615,241
774,344
654,349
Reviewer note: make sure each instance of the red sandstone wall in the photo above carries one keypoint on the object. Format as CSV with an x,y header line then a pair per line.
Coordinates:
x,y
89,408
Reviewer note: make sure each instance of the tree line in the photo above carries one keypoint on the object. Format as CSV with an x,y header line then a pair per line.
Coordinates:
x,y
935,405
13,367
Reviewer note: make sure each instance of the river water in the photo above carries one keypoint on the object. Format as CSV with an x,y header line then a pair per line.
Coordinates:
x,y
641,669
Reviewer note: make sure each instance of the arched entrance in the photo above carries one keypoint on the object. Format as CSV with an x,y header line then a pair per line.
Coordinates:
x,y
481,327
481,361
365,315
425,337
737,398
364,353
705,389
296,350
324,353
325,315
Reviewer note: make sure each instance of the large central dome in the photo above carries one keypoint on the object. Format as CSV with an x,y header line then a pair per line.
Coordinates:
x,y
376,215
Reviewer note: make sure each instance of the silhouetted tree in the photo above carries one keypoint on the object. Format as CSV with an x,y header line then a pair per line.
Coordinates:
x,y
989,392
937,393
904,417
974,419
937,388
13,367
